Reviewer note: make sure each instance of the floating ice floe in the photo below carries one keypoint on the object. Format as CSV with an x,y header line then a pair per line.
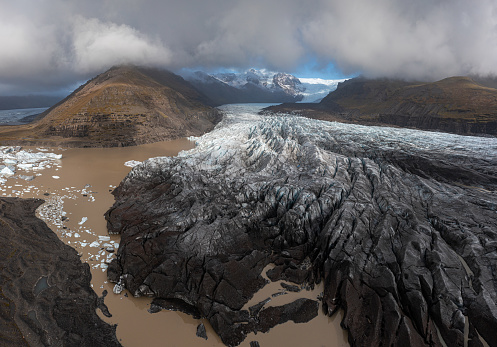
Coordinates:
x,y
7,171
95,244
15,158
56,177
83,220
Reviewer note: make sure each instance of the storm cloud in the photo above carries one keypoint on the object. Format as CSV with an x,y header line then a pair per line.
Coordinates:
x,y
53,44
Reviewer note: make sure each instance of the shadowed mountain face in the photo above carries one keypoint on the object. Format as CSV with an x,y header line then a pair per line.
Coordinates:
x,y
457,105
123,106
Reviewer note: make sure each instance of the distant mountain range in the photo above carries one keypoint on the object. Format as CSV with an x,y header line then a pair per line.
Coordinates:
x,y
461,105
126,105
259,86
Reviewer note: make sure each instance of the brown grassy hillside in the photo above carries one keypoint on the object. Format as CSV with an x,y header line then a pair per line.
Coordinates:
x,y
456,104
123,106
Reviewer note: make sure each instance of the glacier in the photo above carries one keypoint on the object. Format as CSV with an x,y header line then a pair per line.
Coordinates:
x,y
400,225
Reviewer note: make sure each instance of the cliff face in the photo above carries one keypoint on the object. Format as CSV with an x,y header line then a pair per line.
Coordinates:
x,y
124,106
457,105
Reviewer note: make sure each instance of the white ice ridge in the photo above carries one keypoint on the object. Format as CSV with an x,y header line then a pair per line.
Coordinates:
x,y
132,163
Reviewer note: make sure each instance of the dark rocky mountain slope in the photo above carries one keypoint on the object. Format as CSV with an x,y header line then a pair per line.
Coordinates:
x,y
457,105
45,293
400,225
123,106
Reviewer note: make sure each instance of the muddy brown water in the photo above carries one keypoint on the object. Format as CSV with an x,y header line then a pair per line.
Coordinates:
x,y
78,189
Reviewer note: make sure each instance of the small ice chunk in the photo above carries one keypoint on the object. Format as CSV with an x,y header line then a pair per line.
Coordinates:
x,y
95,244
83,220
132,163
26,178
56,177
7,171
104,238
77,235
118,288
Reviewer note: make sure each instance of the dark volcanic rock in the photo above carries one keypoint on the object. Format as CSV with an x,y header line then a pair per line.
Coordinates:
x,y
45,293
400,225
201,331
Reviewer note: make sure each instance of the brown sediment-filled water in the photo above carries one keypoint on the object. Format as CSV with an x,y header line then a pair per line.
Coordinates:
x,y
79,193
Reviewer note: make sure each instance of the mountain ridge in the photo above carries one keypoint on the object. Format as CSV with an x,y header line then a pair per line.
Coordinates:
x,y
455,104
259,86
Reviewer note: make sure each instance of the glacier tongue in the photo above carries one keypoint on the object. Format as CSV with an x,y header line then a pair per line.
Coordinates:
x,y
390,220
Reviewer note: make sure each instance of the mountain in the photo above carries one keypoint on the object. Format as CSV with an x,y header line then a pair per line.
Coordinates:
x,y
27,101
126,105
456,104
252,86
260,86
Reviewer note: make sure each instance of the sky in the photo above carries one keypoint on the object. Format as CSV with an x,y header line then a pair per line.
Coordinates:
x,y
48,46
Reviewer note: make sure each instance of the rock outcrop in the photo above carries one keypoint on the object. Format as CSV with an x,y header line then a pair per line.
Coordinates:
x,y
399,224
456,105
123,106
45,293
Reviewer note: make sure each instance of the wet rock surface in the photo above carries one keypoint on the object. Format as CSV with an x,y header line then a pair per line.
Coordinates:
x,y
400,225
45,293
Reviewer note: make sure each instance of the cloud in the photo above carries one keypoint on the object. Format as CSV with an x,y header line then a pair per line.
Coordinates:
x,y
54,43
99,45
419,40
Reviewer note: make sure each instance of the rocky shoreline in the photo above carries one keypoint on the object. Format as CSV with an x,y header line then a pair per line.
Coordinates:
x,y
400,226
45,293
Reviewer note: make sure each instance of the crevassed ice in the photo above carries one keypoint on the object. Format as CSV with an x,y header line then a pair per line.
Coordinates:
x,y
243,136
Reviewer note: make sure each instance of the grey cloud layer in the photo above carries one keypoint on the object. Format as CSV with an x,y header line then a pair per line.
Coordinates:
x,y
54,42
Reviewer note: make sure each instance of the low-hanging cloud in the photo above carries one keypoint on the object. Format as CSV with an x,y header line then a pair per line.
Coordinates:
x,y
54,43
98,45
